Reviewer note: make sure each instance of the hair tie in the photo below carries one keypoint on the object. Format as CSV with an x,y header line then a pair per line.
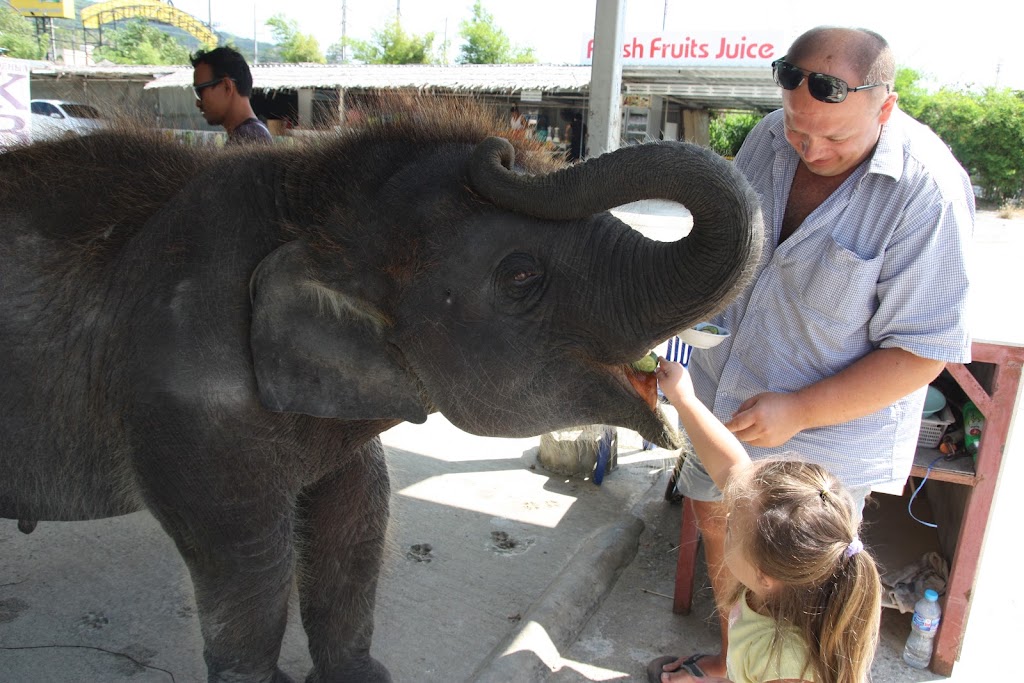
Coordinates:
x,y
855,547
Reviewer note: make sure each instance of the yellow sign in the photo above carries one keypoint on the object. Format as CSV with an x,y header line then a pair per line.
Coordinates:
x,y
57,9
639,101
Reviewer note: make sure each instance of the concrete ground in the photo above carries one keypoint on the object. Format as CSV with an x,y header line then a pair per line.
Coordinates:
x,y
497,571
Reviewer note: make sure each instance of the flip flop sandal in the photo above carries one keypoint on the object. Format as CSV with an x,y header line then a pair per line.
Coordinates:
x,y
689,665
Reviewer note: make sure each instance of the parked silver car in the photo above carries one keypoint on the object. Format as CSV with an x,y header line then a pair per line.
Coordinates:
x,y
57,118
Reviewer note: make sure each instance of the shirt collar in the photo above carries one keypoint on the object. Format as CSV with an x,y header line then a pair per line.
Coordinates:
x,y
888,156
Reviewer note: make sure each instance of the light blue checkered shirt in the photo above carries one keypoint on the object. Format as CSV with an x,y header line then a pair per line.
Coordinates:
x,y
881,263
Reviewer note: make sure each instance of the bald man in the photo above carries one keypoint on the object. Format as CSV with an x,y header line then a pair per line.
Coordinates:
x,y
859,299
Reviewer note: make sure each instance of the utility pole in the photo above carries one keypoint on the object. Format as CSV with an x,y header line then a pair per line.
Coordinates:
x,y
605,111
344,31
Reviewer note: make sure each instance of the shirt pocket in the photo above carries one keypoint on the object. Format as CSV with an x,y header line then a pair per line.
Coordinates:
x,y
834,282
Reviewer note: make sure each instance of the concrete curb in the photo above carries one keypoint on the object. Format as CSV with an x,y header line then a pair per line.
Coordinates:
x,y
555,620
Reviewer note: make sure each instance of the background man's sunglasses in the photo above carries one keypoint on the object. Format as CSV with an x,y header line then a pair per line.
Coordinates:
x,y
199,87
822,87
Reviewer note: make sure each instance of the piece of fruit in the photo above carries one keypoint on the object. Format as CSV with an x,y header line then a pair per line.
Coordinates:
x,y
648,363
710,329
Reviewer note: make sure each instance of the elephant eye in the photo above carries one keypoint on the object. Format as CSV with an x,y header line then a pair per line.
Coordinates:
x,y
519,278
524,276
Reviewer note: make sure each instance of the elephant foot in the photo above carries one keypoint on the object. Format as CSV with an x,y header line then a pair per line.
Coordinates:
x,y
368,671
277,677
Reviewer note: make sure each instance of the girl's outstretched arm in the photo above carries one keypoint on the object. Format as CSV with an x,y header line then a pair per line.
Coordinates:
x,y
719,451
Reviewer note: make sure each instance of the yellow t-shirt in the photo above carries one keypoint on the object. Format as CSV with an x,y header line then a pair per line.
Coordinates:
x,y
751,658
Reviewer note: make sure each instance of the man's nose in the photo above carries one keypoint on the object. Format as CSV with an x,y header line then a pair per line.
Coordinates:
x,y
812,150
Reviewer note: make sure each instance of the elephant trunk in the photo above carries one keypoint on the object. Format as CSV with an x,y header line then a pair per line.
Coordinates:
x,y
669,286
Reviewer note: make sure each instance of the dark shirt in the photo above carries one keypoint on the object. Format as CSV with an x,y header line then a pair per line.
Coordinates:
x,y
577,141
250,131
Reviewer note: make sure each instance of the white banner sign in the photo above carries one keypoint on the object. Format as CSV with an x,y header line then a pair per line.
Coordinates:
x,y
15,115
703,48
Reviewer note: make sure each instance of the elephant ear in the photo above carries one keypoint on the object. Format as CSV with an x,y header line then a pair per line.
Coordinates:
x,y
321,351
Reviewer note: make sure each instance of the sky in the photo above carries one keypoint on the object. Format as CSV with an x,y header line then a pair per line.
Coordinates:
x,y
954,45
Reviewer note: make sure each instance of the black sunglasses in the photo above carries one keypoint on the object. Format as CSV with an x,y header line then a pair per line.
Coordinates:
x,y
199,87
822,87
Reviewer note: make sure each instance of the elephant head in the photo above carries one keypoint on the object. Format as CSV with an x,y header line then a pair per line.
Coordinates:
x,y
511,301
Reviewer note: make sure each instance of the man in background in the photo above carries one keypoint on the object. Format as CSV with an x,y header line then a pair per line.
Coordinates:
x,y
576,136
222,84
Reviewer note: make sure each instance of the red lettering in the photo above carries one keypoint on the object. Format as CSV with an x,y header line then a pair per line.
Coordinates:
x,y
655,44
638,49
590,49
766,51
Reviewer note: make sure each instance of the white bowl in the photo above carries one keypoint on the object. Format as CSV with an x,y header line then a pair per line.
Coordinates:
x,y
699,337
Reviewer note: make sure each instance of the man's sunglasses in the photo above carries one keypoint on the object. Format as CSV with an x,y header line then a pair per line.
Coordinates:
x,y
199,87
822,87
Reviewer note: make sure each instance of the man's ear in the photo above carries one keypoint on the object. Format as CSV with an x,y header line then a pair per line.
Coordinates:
x,y
322,349
888,105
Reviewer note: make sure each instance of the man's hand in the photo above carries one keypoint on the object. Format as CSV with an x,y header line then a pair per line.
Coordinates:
x,y
875,381
767,420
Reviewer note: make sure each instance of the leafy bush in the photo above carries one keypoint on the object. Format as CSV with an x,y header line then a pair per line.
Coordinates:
x,y
139,42
17,37
728,130
985,132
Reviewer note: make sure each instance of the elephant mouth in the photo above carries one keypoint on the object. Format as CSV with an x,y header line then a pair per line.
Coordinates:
x,y
644,383
653,426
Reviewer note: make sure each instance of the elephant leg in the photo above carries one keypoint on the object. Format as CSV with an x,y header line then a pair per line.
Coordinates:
x,y
343,521
238,546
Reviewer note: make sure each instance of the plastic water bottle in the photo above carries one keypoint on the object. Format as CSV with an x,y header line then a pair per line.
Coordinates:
x,y
927,614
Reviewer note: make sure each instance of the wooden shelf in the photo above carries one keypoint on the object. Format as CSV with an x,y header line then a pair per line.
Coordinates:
x,y
959,471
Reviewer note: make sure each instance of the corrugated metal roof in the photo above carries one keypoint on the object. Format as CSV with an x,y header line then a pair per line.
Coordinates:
x,y
707,87
106,71
695,87
468,77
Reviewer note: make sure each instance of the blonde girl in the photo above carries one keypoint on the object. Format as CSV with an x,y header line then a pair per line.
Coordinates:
x,y
806,601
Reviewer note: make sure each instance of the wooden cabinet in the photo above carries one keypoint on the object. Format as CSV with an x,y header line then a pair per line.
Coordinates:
x,y
991,380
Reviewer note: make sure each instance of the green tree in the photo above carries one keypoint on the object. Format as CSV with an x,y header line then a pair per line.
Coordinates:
x,y
295,47
912,95
985,131
392,45
488,44
728,130
17,36
139,42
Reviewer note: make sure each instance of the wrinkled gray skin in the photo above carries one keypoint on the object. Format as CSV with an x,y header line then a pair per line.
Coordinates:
x,y
220,339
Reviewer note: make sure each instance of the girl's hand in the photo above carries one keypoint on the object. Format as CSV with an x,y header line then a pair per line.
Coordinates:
x,y
674,381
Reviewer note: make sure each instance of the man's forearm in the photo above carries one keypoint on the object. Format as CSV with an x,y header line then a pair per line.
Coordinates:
x,y
875,381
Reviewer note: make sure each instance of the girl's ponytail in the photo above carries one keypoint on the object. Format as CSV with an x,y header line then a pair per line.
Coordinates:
x,y
849,625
